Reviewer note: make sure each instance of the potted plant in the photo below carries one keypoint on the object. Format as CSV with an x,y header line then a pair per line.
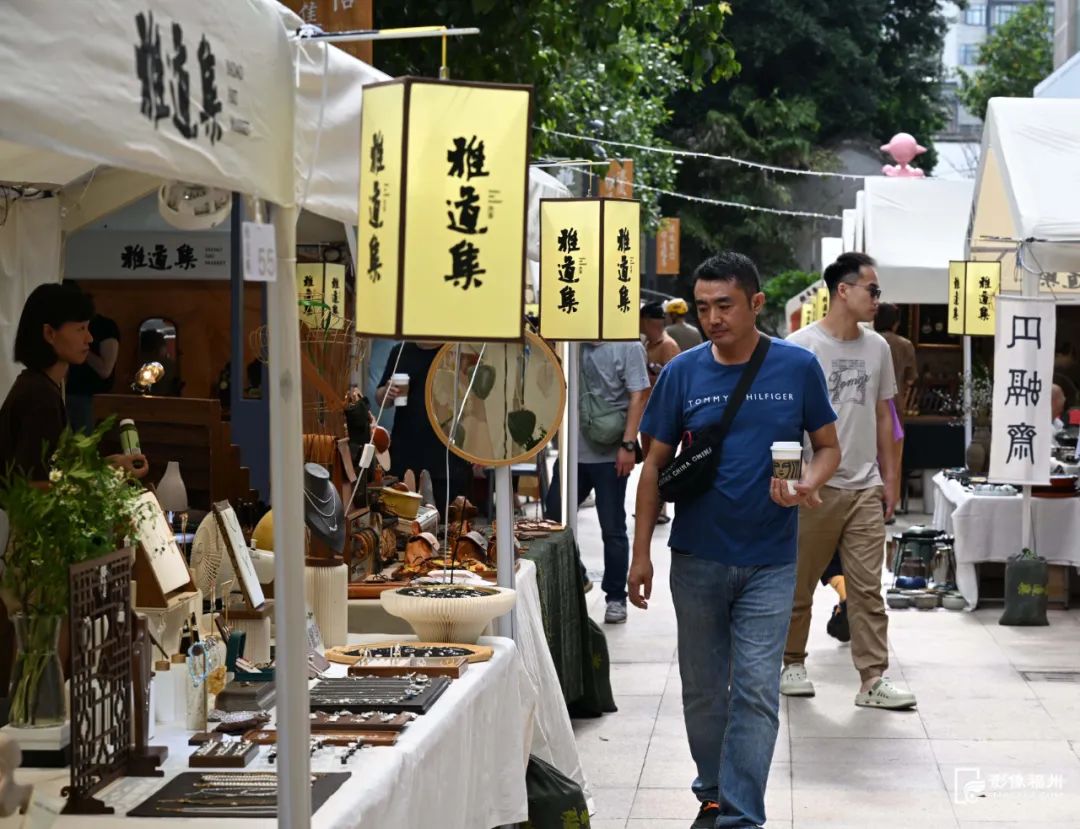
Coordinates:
x,y
84,512
979,388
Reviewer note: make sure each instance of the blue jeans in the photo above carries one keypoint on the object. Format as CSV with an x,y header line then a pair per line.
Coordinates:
x,y
610,490
733,623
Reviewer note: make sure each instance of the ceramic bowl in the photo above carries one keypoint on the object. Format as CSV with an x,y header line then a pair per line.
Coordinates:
x,y
951,601
897,600
925,601
437,619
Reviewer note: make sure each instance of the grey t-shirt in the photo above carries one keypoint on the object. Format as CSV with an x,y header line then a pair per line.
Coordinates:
x,y
858,373
613,371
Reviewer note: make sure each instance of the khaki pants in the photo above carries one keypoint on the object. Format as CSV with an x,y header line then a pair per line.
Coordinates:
x,y
852,521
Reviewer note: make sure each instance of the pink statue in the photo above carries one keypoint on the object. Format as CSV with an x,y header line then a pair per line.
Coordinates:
x,y
903,147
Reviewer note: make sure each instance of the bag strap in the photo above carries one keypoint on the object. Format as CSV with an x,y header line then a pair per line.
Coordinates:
x,y
746,379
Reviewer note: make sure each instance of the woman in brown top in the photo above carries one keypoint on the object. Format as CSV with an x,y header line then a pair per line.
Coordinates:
x,y
53,334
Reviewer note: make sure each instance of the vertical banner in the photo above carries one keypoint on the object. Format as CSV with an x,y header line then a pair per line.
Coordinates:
x,y
334,294
668,241
1023,375
338,16
570,263
621,281
957,296
821,303
378,271
618,182
310,290
983,283
807,314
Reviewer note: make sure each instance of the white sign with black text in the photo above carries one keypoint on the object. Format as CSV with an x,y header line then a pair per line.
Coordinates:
x,y
260,252
1023,376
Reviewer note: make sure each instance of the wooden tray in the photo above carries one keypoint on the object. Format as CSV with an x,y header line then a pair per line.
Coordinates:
x,y
322,724
268,737
451,666
363,590
212,755
349,654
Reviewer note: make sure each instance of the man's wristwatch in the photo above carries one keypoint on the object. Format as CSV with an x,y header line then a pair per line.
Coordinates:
x,y
629,445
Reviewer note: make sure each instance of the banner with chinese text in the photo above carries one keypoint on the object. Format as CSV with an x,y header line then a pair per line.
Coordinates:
x,y
957,296
668,240
200,92
378,271
618,182
621,275
320,289
821,303
570,263
807,314
983,284
1023,375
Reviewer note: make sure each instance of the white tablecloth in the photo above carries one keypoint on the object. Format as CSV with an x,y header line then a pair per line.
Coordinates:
x,y
987,528
461,766
553,737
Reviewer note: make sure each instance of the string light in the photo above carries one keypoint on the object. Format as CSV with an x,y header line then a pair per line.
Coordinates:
x,y
727,159
776,211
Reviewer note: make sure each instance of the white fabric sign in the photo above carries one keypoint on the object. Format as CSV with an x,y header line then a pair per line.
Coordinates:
x,y
29,256
121,254
195,91
1023,374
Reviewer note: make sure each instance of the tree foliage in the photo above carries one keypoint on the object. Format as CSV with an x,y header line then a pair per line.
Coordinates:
x,y
778,290
603,68
1014,59
813,73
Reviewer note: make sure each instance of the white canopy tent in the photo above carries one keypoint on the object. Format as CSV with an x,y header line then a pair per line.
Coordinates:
x,y
913,228
1024,197
860,221
93,87
831,248
847,233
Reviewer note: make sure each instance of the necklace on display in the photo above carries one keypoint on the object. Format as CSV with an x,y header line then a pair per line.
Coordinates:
x,y
332,525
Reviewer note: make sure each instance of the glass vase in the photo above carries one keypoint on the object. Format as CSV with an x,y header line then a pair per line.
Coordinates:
x,y
37,692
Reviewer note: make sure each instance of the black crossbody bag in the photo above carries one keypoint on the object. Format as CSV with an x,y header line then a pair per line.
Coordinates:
x,y
693,470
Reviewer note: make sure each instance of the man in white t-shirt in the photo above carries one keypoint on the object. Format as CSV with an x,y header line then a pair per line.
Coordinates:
x,y
859,372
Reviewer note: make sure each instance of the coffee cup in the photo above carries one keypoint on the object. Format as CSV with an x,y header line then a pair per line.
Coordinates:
x,y
401,383
787,462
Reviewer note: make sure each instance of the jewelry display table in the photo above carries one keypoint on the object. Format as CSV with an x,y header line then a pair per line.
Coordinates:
x,y
461,766
553,739
987,528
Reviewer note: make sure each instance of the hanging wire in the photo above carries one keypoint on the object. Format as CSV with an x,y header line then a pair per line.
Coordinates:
x,y
742,162
718,202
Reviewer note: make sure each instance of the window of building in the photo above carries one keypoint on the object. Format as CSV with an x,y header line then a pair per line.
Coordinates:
x,y
1001,13
975,14
969,54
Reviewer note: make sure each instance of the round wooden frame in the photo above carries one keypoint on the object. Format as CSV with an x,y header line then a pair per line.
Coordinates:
x,y
540,347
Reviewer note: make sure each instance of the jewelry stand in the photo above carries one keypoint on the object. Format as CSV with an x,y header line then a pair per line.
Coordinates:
x,y
145,759
326,576
101,680
326,588
253,618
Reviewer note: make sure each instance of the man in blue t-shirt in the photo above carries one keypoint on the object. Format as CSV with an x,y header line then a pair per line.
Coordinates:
x,y
734,545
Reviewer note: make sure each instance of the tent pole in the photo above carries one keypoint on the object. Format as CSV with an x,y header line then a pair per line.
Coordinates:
x,y
1030,286
287,493
569,462
504,542
967,391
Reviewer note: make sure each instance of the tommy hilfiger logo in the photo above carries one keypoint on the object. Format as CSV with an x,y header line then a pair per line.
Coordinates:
x,y
764,396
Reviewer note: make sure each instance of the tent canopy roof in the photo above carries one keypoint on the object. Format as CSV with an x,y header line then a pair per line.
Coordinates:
x,y
1029,175
914,227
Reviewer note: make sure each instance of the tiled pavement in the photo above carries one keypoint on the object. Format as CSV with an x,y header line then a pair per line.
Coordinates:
x,y
979,727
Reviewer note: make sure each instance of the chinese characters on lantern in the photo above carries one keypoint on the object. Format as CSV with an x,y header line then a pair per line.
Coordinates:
x,y
568,246
467,161
1023,370
972,289
164,68
376,204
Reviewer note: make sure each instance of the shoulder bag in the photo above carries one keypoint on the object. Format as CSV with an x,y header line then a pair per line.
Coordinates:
x,y
600,422
693,470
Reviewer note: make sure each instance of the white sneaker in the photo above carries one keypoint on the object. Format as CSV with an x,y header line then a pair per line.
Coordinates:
x,y
886,695
615,614
794,682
